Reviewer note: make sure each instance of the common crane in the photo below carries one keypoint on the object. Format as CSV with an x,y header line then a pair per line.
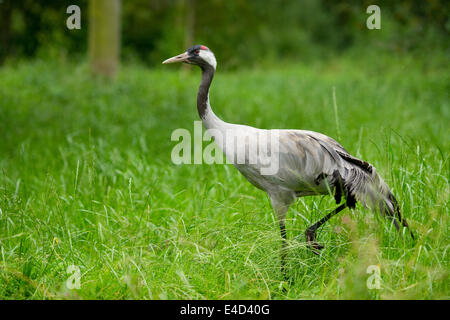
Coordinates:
x,y
308,163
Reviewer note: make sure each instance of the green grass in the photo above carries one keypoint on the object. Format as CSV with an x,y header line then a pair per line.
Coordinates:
x,y
86,179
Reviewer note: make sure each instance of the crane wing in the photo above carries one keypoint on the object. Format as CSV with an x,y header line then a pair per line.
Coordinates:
x,y
304,157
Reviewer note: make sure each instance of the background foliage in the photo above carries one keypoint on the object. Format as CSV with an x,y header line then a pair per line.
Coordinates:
x,y
240,31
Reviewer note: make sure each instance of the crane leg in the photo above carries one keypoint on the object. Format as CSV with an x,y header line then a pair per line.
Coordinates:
x,y
283,251
310,233
280,204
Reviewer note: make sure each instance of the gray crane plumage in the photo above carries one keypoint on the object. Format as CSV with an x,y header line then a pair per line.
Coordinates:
x,y
309,163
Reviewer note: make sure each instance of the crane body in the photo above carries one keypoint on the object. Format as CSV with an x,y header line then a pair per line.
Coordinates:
x,y
307,163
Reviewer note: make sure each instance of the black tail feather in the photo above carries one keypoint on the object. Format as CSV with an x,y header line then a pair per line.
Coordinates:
x,y
389,206
396,215
361,182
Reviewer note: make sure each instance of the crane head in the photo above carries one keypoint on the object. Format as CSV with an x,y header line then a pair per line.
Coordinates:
x,y
198,55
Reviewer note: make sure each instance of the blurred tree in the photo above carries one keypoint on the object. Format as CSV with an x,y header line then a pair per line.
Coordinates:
x,y
239,31
189,25
104,36
185,21
5,29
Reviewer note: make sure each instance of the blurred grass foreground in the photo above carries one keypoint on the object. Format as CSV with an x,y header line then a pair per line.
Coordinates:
x,y
87,182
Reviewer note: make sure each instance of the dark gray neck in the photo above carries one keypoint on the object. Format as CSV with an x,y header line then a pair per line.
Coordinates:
x,y
203,90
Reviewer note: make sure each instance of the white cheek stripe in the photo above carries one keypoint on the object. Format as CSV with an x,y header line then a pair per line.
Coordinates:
x,y
208,56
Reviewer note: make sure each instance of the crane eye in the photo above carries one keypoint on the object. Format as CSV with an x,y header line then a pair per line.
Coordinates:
x,y
197,51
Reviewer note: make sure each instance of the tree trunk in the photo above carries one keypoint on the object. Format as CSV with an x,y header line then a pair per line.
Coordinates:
x,y
5,26
188,8
104,36
189,23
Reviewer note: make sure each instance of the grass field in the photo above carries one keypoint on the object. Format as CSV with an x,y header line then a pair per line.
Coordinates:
x,y
86,180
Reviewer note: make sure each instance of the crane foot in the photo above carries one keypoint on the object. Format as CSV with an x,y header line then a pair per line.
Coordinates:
x,y
311,241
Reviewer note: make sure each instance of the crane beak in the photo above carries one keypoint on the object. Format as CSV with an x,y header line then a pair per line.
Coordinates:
x,y
179,58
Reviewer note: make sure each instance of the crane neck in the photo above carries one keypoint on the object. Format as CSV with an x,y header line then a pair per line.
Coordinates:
x,y
203,107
